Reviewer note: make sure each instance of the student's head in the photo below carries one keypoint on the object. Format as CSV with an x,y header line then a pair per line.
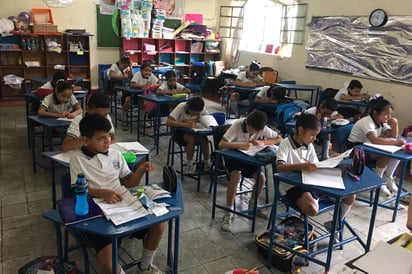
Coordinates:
x,y
95,129
171,77
327,107
381,110
98,104
146,69
58,75
354,87
307,128
254,69
256,121
124,62
195,106
63,91
276,93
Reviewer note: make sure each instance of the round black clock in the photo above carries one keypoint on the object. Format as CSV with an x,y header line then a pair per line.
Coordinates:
x,y
378,18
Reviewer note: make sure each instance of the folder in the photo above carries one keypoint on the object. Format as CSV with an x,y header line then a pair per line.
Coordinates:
x,y
66,210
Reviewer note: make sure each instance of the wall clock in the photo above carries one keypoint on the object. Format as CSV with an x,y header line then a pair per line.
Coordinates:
x,y
378,18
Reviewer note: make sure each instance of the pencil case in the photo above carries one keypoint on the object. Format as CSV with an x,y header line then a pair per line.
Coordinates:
x,y
180,96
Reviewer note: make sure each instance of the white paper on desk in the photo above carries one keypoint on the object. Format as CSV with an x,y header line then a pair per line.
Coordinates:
x,y
135,147
387,148
64,119
386,258
334,161
255,149
79,91
326,177
64,156
205,123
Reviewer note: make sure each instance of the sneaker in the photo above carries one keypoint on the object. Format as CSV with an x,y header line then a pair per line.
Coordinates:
x,y
151,270
207,167
262,213
190,169
391,184
385,191
227,222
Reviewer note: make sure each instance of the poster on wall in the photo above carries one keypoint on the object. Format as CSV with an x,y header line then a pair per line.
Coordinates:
x,y
106,6
173,8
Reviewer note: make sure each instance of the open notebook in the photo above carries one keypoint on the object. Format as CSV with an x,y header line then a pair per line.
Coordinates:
x,y
387,148
205,123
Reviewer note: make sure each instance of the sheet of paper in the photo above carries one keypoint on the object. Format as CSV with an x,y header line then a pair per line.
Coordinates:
x,y
333,162
135,147
386,258
64,119
64,156
326,177
387,148
255,149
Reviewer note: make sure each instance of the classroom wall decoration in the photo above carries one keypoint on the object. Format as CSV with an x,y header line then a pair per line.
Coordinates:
x,y
350,44
106,29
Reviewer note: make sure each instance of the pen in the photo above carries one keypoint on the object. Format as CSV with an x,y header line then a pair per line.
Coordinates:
x,y
353,176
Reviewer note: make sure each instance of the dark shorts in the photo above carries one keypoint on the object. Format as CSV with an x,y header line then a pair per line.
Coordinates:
x,y
127,94
294,193
178,136
246,170
99,242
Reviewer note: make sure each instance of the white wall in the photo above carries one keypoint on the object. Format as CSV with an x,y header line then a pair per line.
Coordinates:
x,y
400,95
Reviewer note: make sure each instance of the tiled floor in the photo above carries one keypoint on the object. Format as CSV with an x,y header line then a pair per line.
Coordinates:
x,y
204,248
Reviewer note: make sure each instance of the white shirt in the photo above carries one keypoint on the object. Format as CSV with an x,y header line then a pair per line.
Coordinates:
x,y
244,79
235,133
314,110
74,129
263,93
179,87
50,104
363,128
180,113
140,80
291,153
343,90
115,68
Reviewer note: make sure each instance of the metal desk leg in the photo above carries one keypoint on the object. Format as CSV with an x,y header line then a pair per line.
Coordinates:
x,y
33,146
272,222
372,222
59,247
114,255
332,234
53,182
403,173
176,251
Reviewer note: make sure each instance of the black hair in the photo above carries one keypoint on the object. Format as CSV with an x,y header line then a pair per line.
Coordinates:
x,y
330,104
145,65
379,105
195,104
307,121
254,66
170,74
62,85
355,84
276,93
90,124
58,75
98,101
257,119
125,59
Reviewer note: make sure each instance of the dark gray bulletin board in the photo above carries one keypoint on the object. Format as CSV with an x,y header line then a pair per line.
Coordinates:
x,y
350,44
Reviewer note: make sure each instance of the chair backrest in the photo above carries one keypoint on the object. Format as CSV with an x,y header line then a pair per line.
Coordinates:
x,y
342,134
65,185
270,76
218,133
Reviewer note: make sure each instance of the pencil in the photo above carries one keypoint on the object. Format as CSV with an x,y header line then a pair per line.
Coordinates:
x,y
250,270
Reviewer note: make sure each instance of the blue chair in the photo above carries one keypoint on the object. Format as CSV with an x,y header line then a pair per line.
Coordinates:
x,y
198,87
342,134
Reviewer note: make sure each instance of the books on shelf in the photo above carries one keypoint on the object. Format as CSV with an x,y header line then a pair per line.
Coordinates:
x,y
386,148
134,147
66,210
205,123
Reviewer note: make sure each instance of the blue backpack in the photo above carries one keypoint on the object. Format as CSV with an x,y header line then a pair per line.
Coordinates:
x,y
285,113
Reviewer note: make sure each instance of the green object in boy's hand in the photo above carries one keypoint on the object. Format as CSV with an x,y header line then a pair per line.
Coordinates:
x,y
130,157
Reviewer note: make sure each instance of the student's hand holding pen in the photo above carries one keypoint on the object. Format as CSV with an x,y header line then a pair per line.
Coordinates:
x,y
258,142
307,166
246,146
191,123
399,141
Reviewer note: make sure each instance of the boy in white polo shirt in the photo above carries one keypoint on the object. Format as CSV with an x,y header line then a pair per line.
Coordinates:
x,y
105,169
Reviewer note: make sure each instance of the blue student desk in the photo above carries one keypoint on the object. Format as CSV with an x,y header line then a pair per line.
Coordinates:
x,y
314,91
57,162
132,92
354,103
160,99
368,181
404,158
104,227
240,90
236,155
48,124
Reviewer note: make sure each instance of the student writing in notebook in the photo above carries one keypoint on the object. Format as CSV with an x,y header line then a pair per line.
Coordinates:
x,y
328,108
105,169
97,104
381,128
297,152
243,134
171,86
186,115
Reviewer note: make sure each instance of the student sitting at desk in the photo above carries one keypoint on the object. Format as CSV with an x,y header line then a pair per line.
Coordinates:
x,y
48,87
171,86
297,152
121,70
351,91
250,79
105,170
97,104
379,127
328,108
141,79
186,115
61,103
243,134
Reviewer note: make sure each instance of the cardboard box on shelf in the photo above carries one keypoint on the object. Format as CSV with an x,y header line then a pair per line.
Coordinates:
x,y
44,28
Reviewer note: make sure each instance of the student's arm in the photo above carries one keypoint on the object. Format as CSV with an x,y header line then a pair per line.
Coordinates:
x,y
173,123
135,179
296,167
70,143
77,110
44,113
163,91
393,123
239,83
373,138
353,97
234,145
114,76
267,142
261,83
267,100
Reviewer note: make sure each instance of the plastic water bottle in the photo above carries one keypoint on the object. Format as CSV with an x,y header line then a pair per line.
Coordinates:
x,y
325,122
82,188
326,147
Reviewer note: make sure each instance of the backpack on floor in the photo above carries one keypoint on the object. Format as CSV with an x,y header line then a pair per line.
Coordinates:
x,y
289,232
358,161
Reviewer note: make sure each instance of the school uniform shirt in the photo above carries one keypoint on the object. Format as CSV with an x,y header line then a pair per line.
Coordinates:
x,y
343,90
74,129
51,105
102,170
140,80
290,152
314,110
242,76
179,87
115,68
364,128
263,93
237,133
181,113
